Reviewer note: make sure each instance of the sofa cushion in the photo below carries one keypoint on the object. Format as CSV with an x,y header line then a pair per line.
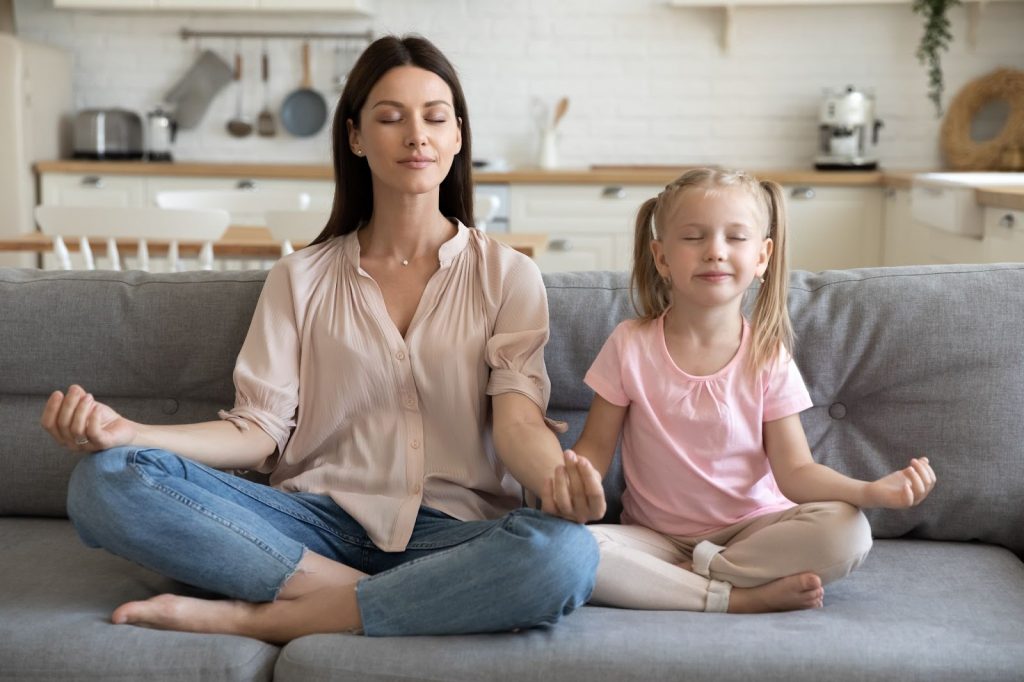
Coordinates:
x,y
159,347
55,617
913,611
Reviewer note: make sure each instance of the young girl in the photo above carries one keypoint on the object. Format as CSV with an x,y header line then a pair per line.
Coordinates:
x,y
707,403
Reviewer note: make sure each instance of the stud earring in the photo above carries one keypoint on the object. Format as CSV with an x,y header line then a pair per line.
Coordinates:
x,y
358,152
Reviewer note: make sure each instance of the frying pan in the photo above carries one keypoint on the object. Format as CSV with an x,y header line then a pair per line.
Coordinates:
x,y
304,110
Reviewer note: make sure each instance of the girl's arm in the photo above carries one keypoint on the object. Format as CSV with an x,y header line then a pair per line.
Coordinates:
x,y
76,417
530,450
601,433
801,479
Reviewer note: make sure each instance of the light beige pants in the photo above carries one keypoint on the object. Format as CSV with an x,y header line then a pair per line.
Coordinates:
x,y
640,569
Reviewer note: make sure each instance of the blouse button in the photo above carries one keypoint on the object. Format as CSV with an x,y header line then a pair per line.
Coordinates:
x,y
400,355
416,489
415,444
410,402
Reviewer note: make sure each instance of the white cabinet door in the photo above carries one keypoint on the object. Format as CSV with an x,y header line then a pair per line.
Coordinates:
x,y
321,192
70,189
1004,235
833,228
589,227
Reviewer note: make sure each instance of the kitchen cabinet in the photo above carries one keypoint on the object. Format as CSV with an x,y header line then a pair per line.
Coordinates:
x,y
832,228
358,7
74,189
1004,235
589,226
911,242
92,190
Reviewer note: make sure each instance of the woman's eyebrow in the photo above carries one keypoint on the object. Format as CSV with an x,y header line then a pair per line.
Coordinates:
x,y
399,105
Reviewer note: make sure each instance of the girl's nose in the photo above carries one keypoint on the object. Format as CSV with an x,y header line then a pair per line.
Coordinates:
x,y
715,250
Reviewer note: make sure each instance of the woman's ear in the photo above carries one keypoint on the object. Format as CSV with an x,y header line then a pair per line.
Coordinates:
x,y
353,137
458,133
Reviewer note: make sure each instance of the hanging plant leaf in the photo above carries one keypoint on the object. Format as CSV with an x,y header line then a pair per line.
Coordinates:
x,y
936,38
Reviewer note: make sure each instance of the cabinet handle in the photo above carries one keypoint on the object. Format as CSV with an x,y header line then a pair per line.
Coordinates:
x,y
560,245
613,192
93,181
805,193
245,184
1008,221
890,193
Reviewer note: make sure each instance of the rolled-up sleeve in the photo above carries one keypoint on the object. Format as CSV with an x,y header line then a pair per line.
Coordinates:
x,y
266,372
515,351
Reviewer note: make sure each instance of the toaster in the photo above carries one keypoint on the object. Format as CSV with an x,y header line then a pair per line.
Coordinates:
x,y
107,134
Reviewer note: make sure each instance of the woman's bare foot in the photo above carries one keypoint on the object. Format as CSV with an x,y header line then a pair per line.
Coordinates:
x,y
332,609
792,593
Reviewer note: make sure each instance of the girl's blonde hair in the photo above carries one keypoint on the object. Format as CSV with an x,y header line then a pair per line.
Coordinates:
x,y
652,295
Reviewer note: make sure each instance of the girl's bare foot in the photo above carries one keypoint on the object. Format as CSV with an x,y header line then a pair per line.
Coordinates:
x,y
792,593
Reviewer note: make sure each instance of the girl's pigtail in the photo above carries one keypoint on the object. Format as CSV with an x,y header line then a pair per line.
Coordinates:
x,y
649,294
772,329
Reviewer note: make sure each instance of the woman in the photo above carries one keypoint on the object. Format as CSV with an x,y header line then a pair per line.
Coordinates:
x,y
374,363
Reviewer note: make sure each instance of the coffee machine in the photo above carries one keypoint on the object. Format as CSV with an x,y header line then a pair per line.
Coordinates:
x,y
847,131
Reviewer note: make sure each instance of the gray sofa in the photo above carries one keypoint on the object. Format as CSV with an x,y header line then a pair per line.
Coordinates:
x,y
899,362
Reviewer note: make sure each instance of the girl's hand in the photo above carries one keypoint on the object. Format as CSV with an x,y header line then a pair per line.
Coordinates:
x,y
903,488
81,424
574,492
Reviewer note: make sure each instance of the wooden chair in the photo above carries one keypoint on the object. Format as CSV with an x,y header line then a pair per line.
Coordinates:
x,y
134,225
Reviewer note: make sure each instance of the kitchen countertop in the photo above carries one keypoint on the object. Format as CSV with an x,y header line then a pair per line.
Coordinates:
x,y
601,175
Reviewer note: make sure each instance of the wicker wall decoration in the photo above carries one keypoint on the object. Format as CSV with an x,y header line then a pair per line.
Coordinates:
x,y
1005,151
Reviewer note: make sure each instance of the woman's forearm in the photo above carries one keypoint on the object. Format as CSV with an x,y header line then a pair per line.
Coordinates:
x,y
530,451
219,444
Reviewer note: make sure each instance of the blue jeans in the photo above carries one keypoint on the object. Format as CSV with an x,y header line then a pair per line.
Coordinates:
x,y
225,534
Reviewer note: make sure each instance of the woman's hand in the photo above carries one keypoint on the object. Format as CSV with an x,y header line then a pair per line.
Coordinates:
x,y
574,492
903,488
79,423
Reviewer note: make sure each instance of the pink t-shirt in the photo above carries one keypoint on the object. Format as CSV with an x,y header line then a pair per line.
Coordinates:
x,y
692,447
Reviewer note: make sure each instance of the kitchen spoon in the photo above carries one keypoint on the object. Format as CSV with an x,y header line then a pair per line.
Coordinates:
x,y
265,125
239,126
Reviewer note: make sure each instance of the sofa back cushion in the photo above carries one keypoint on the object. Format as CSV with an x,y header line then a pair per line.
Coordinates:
x,y
899,362
160,348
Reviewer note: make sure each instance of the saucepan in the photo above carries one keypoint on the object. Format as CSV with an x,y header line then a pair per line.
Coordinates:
x,y
304,110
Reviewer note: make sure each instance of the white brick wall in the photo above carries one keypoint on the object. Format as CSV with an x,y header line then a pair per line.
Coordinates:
x,y
648,83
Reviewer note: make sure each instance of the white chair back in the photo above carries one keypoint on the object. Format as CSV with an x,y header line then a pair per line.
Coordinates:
x,y
246,206
133,224
289,227
485,207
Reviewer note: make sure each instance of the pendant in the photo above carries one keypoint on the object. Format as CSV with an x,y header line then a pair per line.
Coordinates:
x,y
405,261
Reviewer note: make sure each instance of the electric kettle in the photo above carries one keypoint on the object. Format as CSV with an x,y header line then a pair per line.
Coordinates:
x,y
160,132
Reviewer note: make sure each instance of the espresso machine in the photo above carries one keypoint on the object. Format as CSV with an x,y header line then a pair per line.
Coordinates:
x,y
847,131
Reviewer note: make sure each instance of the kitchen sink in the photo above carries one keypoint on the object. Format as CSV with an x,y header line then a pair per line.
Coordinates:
x,y
946,201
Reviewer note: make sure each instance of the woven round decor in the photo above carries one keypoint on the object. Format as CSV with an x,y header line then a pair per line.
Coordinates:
x,y
1005,149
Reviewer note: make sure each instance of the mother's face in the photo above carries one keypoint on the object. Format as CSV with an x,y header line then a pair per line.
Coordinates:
x,y
409,132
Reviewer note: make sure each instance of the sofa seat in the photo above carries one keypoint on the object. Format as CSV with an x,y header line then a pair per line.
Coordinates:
x,y
894,618
55,617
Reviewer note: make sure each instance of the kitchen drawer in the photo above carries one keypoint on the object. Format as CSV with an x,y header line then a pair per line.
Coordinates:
x,y
576,208
321,193
572,252
1004,235
60,189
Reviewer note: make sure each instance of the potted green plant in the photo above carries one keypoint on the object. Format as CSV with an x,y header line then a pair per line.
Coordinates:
x,y
936,39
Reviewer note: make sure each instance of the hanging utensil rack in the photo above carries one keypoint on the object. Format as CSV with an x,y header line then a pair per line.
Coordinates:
x,y
189,34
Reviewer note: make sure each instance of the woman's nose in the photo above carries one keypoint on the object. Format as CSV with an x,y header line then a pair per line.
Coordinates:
x,y
417,136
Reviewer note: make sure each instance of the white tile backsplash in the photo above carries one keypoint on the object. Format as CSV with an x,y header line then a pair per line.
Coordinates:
x,y
648,83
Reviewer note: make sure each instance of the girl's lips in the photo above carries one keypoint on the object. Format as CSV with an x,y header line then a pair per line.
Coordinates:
x,y
714,276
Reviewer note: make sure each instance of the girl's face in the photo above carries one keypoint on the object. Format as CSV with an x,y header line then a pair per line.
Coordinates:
x,y
711,245
408,132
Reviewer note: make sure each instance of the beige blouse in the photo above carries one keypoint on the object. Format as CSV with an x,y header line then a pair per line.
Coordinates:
x,y
381,423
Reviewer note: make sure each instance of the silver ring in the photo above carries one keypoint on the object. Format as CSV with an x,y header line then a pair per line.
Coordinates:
x,y
82,441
